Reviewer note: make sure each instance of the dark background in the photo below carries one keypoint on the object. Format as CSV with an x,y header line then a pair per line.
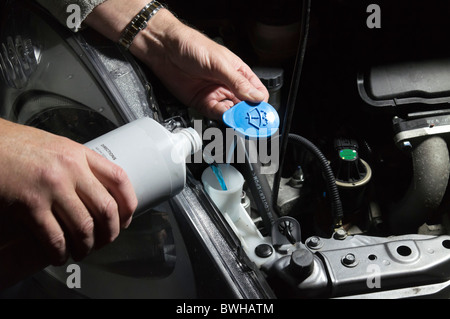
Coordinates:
x,y
340,44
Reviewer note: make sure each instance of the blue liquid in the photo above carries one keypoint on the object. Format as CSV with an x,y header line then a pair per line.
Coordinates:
x,y
218,172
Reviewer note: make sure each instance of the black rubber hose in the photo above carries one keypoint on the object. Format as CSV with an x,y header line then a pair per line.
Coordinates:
x,y
292,98
431,165
259,187
332,189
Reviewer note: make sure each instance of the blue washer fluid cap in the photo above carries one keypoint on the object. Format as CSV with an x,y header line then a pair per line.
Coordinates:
x,y
253,120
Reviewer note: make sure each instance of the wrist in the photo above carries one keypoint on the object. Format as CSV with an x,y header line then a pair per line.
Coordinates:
x,y
112,17
152,44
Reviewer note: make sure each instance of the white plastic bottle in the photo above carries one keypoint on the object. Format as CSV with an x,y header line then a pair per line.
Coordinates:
x,y
153,158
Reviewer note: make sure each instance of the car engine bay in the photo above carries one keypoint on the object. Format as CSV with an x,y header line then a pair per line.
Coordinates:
x,y
358,203
374,103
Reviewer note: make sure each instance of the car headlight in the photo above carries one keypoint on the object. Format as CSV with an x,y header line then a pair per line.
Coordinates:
x,y
78,85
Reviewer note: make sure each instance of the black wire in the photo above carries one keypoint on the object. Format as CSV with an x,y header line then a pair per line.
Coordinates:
x,y
332,188
289,235
293,92
259,187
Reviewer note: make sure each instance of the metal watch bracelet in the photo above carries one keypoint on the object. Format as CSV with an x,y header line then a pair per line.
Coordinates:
x,y
138,23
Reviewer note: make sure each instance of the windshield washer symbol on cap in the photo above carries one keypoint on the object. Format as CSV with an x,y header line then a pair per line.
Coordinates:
x,y
257,118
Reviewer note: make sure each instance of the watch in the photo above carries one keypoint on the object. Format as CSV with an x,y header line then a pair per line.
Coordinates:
x,y
138,23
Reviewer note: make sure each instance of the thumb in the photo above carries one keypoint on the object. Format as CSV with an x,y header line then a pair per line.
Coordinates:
x,y
241,87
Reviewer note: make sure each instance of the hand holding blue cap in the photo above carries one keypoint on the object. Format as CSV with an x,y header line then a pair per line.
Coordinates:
x,y
253,120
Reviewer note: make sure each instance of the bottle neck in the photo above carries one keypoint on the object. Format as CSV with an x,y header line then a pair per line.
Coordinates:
x,y
193,139
186,142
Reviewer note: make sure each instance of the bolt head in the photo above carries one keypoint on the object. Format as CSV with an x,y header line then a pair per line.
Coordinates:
x,y
349,260
340,234
314,242
406,146
264,250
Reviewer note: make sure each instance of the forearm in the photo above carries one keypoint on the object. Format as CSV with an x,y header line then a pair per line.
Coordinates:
x,y
111,17
151,44
197,70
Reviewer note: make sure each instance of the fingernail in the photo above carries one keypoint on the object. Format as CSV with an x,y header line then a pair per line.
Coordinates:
x,y
127,223
256,95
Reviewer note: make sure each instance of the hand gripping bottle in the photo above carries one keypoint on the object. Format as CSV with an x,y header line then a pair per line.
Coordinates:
x,y
154,160
153,157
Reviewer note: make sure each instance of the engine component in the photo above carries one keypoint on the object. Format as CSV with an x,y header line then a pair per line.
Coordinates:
x,y
418,126
257,247
417,92
285,232
290,192
431,165
292,96
407,85
273,80
225,189
337,210
257,182
364,265
301,263
352,174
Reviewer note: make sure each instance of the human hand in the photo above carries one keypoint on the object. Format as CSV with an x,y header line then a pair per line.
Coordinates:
x,y
71,198
198,71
